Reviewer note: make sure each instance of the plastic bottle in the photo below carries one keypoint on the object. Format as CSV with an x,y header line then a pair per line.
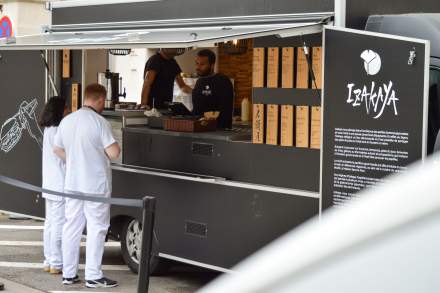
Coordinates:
x,y
245,110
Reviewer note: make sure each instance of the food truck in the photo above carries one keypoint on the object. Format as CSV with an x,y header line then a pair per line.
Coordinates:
x,y
221,195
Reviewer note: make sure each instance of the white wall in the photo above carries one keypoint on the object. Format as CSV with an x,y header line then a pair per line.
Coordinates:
x,y
26,17
131,69
187,60
95,61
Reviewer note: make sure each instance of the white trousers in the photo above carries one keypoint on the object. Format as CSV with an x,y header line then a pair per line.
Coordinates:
x,y
53,228
97,218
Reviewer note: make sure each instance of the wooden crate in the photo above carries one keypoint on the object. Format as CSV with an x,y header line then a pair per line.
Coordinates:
x,y
189,125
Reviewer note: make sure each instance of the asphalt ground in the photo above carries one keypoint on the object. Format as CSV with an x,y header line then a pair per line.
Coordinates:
x,y
21,268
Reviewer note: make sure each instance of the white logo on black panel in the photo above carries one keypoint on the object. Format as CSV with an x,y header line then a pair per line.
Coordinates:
x,y
372,62
377,96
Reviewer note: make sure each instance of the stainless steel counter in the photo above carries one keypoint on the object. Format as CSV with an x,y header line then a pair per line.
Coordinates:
x,y
121,118
123,113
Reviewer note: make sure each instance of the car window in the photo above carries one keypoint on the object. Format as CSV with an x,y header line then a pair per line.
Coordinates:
x,y
434,110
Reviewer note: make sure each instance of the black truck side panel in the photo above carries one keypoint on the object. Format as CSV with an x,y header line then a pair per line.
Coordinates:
x,y
175,9
214,224
21,80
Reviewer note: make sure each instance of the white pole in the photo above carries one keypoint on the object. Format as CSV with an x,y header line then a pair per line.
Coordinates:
x,y
340,12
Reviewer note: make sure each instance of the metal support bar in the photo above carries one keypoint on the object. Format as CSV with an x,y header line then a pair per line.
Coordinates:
x,y
149,207
317,17
49,74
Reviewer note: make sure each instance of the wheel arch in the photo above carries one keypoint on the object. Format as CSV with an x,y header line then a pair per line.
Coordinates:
x,y
117,224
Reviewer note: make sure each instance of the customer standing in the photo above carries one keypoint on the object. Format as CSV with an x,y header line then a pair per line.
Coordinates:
x,y
53,179
85,141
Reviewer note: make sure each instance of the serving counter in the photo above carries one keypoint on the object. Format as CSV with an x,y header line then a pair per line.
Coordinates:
x,y
225,154
215,189
118,119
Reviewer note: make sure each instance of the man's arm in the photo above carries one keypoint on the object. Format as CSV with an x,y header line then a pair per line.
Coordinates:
x,y
182,85
60,153
149,78
113,151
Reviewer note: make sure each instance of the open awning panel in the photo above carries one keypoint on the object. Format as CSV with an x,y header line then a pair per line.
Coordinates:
x,y
156,38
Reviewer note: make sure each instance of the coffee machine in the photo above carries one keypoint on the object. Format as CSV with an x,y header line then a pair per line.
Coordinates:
x,y
113,84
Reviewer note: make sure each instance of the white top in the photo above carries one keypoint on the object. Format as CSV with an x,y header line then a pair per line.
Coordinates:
x,y
84,135
53,167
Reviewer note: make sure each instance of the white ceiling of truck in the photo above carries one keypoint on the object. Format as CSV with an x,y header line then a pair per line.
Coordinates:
x,y
203,36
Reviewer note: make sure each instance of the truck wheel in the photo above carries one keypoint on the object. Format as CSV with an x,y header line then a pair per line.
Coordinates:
x,y
131,249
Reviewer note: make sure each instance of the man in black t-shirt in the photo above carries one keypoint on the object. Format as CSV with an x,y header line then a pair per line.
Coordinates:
x,y
213,91
160,72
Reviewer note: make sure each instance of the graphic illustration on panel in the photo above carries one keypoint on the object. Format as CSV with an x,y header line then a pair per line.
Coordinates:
x,y
12,129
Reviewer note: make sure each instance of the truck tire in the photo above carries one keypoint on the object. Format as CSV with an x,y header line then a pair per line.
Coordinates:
x,y
130,247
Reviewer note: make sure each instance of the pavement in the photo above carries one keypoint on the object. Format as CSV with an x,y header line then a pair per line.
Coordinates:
x,y
12,287
21,269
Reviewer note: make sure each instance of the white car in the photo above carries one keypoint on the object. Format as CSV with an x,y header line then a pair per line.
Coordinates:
x,y
386,241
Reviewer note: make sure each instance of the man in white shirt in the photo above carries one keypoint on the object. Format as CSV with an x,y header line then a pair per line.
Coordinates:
x,y
85,141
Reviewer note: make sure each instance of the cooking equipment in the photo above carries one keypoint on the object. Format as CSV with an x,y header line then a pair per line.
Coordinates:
x,y
113,84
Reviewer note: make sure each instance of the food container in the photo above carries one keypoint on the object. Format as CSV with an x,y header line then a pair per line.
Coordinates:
x,y
189,125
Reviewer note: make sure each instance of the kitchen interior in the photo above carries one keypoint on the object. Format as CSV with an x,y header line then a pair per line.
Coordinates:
x,y
264,171
276,114
121,72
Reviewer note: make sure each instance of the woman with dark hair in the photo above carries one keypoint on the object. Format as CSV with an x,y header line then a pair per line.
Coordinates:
x,y
53,179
